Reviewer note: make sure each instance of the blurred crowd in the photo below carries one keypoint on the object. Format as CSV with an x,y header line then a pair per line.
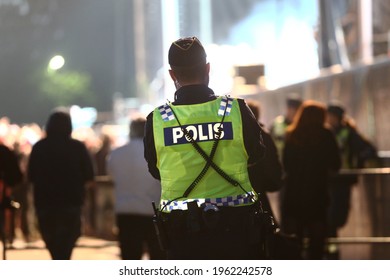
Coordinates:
x,y
20,139
300,152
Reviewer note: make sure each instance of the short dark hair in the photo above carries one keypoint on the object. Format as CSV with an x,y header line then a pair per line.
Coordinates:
x,y
336,108
59,124
137,128
294,100
188,74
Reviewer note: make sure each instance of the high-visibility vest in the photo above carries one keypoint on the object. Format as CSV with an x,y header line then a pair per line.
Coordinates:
x,y
278,133
179,163
342,137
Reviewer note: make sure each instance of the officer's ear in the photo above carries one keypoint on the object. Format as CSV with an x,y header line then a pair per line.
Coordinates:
x,y
172,74
207,74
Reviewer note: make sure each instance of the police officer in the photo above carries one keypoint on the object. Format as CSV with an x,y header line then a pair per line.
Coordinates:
x,y
200,147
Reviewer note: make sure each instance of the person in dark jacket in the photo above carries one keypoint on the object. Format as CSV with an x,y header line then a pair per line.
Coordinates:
x,y
262,182
355,152
10,173
280,123
309,157
10,176
59,169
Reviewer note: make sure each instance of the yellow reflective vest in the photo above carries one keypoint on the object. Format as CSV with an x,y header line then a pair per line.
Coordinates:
x,y
342,137
179,163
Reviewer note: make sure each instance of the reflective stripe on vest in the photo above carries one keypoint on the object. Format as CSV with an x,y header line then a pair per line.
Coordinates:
x,y
242,199
225,102
166,113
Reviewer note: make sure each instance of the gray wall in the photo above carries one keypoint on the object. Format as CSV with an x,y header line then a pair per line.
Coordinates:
x,y
364,90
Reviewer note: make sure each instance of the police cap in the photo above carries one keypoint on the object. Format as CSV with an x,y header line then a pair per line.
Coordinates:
x,y
186,52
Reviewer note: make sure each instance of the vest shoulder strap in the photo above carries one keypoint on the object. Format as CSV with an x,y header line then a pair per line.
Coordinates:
x,y
226,103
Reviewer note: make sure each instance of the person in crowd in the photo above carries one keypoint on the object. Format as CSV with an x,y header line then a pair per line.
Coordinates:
x,y
101,155
99,148
19,139
10,176
278,133
59,168
135,190
279,125
200,147
21,193
265,180
310,155
355,152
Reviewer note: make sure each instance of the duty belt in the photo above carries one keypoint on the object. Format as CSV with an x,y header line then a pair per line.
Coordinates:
x,y
242,199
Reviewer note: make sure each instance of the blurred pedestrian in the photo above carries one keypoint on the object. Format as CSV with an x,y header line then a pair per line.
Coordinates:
x,y
59,169
309,156
135,190
22,193
279,125
102,154
355,151
265,177
10,176
278,131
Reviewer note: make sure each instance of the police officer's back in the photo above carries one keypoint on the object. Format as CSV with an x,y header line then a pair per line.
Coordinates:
x,y
200,147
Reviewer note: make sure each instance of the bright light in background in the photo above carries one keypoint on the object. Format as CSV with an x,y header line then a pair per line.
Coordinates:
x,y
279,34
56,62
282,33
222,61
82,117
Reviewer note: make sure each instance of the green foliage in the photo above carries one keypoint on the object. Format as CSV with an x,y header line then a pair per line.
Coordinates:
x,y
65,88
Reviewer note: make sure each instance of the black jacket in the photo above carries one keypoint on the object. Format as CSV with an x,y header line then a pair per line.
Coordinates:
x,y
9,169
308,169
59,169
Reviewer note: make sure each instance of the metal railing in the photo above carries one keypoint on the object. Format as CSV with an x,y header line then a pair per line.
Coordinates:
x,y
366,171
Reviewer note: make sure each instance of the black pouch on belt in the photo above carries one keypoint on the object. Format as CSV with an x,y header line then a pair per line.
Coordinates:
x,y
256,224
193,217
211,217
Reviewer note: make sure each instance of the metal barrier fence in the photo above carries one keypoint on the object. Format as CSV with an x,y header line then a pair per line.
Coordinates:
x,y
365,236
366,171
367,232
